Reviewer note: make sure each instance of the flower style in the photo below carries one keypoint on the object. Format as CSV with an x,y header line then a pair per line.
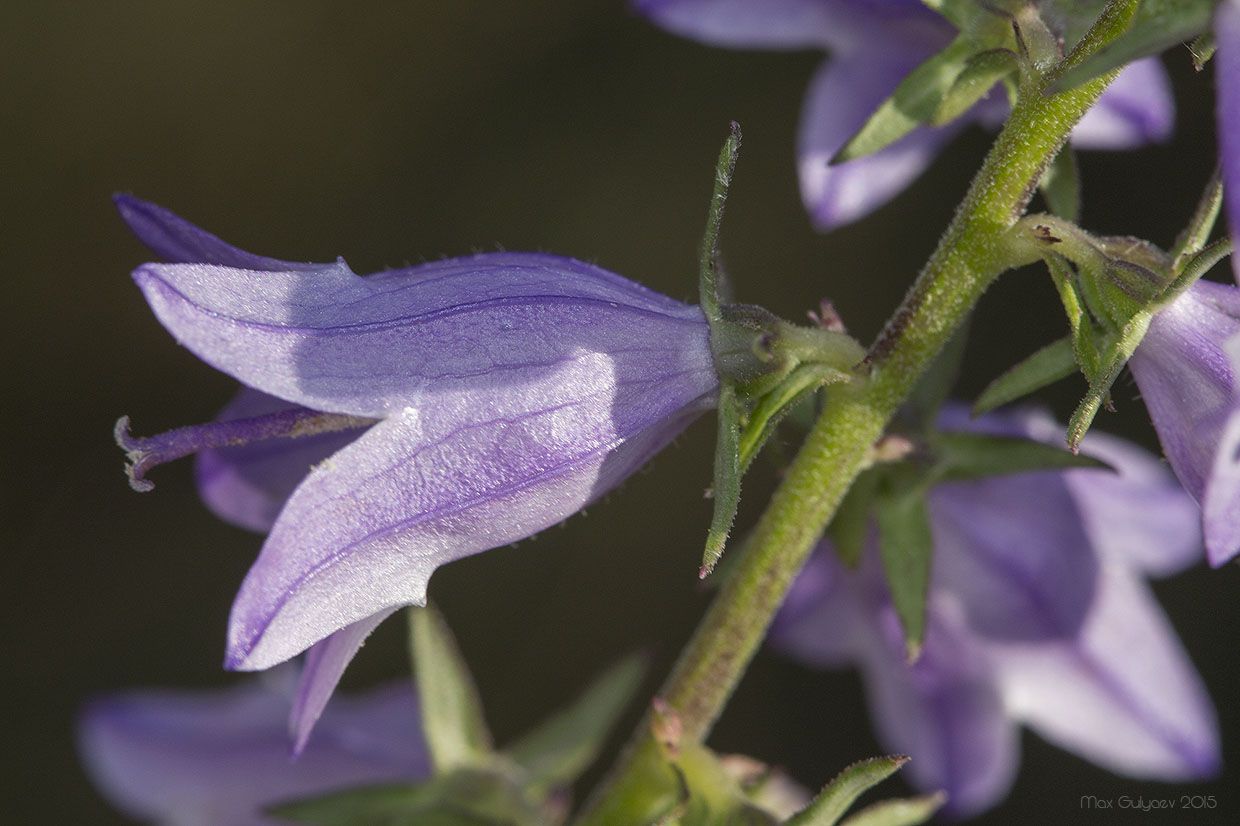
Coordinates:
x,y
1188,383
1037,613
450,408
874,44
217,758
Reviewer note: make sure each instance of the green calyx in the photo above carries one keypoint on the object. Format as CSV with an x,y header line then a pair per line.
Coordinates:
x,y
766,366
1111,289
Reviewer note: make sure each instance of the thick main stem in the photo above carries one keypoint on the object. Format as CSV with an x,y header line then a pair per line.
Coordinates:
x,y
969,256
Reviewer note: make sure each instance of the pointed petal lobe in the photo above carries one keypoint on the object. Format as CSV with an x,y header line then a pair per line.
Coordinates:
x,y
333,341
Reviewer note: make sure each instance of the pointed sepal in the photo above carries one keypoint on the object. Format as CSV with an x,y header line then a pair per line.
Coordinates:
x,y
1156,25
838,796
1046,366
560,748
904,811
452,721
906,546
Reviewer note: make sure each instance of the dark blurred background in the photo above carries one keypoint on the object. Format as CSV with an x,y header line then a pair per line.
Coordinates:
x,y
392,133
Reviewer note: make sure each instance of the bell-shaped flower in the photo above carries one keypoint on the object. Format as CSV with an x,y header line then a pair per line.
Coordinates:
x,y
443,410
1187,381
874,44
218,758
1038,613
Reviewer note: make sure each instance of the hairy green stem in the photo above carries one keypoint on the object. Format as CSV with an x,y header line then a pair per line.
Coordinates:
x,y
970,255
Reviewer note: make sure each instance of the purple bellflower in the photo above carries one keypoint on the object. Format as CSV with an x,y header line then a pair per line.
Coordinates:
x,y
1188,383
217,758
1038,613
874,44
445,409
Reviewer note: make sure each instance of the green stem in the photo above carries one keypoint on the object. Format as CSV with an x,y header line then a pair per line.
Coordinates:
x,y
970,255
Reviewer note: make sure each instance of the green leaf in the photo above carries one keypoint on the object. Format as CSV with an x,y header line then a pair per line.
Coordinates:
x,y
913,103
452,722
727,476
772,406
1158,25
906,546
837,796
921,410
1048,365
907,811
562,747
851,524
708,261
981,72
964,456
1061,186
1196,235
1111,362
464,797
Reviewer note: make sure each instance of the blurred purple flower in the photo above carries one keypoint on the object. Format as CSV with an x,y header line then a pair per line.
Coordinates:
x,y
216,758
874,44
1188,383
1038,613
453,407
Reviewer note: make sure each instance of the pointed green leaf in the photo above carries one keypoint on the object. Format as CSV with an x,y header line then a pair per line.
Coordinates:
x,y
837,796
1061,186
464,797
774,405
727,482
851,524
452,722
913,103
908,811
708,262
964,456
1202,49
906,546
1196,235
1158,25
562,747
921,411
981,72
1053,362
1194,268
1111,363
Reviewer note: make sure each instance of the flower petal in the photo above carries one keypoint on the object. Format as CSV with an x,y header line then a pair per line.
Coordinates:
x,y
1186,378
820,621
466,472
215,758
944,711
840,98
335,342
325,663
1014,551
1139,512
176,240
1221,506
247,485
1137,109
1227,117
1124,695
743,24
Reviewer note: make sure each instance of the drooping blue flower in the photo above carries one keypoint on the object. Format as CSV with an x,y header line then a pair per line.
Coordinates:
x,y
1038,613
217,758
1188,383
445,409
874,44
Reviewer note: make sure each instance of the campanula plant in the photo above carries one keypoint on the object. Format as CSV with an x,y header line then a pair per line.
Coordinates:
x,y
391,423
